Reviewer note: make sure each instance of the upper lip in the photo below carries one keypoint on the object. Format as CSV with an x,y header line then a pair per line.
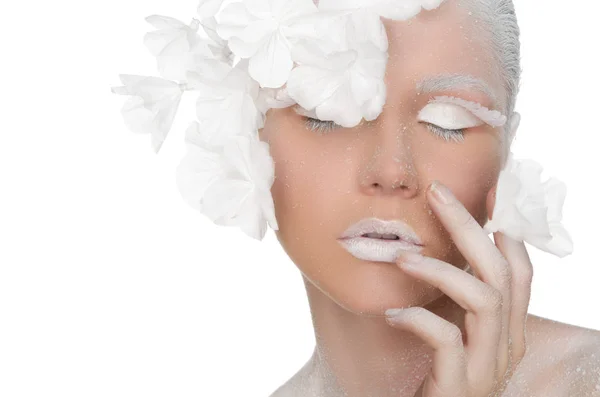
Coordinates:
x,y
375,225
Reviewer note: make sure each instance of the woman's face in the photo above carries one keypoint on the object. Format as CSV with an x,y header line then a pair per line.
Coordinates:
x,y
327,181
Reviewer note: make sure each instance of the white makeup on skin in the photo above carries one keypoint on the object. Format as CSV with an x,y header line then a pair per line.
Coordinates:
x,y
449,112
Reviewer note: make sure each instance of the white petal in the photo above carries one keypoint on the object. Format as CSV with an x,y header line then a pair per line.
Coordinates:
x,y
398,10
272,63
289,10
244,49
342,5
261,9
164,22
340,108
242,197
198,169
310,86
373,107
431,4
270,98
224,199
210,27
153,105
369,26
232,20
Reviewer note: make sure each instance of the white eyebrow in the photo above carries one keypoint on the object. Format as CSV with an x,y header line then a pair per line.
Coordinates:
x,y
444,82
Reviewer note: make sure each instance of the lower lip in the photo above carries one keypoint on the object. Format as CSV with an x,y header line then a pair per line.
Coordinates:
x,y
377,250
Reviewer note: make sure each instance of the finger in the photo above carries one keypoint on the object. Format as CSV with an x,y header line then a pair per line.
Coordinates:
x,y
522,276
485,259
483,305
448,376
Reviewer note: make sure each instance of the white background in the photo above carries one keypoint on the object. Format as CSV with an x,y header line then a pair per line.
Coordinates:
x,y
110,285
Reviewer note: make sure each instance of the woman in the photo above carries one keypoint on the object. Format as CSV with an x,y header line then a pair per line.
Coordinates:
x,y
328,178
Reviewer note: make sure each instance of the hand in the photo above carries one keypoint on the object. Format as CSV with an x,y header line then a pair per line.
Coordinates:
x,y
495,300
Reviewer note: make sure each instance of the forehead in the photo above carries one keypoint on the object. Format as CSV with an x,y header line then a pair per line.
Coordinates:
x,y
442,48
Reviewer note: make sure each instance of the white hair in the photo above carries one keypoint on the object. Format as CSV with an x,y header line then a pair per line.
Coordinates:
x,y
497,20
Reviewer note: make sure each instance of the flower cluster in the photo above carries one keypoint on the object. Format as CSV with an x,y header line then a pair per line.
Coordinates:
x,y
244,57
527,209
254,56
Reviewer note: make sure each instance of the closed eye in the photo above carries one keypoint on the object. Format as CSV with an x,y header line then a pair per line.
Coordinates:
x,y
447,134
320,125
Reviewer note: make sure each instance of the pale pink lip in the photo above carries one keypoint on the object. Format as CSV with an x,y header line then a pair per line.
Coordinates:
x,y
377,250
379,226
382,240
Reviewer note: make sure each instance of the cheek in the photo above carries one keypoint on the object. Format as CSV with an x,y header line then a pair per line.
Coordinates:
x,y
471,175
310,191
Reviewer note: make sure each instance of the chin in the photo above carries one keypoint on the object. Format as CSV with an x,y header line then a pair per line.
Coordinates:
x,y
368,288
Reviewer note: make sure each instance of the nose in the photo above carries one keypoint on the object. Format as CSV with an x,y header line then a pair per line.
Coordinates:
x,y
390,167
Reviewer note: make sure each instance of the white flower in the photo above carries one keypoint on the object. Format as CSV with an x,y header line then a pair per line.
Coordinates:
x,y
230,185
528,210
341,85
152,107
263,31
226,101
176,46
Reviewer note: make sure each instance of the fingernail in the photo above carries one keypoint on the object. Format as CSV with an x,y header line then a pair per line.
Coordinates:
x,y
394,312
441,193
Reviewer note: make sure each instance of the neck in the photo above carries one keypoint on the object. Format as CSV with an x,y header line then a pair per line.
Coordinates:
x,y
358,355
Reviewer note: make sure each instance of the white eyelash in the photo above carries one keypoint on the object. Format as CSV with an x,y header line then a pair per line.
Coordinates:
x,y
491,117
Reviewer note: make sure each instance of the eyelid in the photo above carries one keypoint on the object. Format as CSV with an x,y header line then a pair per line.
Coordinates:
x,y
448,116
491,117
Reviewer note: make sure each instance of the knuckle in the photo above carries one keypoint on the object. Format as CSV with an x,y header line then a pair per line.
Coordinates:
x,y
453,336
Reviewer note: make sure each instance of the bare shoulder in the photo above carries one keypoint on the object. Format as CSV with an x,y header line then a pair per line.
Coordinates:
x,y
562,360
